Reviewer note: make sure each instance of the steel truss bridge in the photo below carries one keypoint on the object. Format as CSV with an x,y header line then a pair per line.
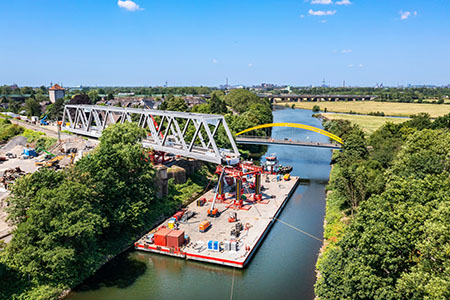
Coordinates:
x,y
190,135
264,140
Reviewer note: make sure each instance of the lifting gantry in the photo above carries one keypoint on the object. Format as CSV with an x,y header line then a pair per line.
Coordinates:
x,y
239,172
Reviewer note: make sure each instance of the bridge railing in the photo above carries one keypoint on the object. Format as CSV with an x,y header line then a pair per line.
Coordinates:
x,y
269,140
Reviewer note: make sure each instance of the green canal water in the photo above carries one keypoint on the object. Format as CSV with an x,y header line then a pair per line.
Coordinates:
x,y
283,267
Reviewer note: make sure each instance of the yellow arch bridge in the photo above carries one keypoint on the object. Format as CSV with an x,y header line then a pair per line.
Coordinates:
x,y
259,140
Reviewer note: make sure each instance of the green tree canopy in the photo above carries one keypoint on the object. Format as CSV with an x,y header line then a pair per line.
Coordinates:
x,y
240,99
32,107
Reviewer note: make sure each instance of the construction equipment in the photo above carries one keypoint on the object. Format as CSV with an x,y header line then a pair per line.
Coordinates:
x,y
54,161
214,212
43,150
236,231
187,215
201,201
233,217
43,120
204,226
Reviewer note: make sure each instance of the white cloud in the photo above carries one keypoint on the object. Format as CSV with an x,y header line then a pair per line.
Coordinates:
x,y
214,61
321,12
406,14
343,2
321,2
129,5
323,21
250,65
302,16
345,51
359,66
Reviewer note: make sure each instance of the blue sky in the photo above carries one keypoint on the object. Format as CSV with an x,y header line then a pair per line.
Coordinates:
x,y
201,42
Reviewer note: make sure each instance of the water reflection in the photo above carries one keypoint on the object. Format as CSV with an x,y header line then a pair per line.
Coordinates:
x,y
120,272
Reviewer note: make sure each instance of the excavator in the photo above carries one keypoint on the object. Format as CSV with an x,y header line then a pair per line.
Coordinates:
x,y
54,161
214,212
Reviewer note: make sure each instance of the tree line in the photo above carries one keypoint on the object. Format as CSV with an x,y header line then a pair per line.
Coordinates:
x,y
391,236
389,94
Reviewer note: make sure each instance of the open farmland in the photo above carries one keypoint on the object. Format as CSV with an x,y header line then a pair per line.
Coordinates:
x,y
368,123
366,107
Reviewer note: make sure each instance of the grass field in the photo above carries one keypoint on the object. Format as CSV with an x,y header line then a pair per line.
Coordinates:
x,y
368,123
365,107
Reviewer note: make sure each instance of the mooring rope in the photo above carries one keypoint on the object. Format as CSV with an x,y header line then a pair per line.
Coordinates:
x,y
232,285
299,230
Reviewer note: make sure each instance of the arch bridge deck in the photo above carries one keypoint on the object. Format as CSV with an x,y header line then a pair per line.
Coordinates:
x,y
257,140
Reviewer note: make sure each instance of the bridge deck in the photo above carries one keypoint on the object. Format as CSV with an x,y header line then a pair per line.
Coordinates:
x,y
269,141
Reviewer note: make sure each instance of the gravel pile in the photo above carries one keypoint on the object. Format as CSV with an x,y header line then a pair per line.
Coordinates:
x,y
14,144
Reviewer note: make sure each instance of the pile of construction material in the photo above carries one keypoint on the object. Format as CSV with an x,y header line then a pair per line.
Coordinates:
x,y
10,175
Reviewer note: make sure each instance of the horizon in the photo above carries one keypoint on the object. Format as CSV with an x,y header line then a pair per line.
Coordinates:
x,y
143,43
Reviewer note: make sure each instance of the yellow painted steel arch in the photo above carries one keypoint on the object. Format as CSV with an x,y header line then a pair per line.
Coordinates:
x,y
295,125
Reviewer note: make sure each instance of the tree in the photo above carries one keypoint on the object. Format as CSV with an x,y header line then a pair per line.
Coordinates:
x,y
40,97
419,121
13,106
174,104
61,231
56,110
316,108
240,99
122,179
441,122
26,90
217,106
354,148
32,107
93,95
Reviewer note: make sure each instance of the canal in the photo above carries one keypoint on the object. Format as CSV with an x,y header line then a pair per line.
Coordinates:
x,y
283,267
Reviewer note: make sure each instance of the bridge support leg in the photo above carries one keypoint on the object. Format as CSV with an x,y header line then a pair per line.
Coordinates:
x,y
257,196
220,194
238,201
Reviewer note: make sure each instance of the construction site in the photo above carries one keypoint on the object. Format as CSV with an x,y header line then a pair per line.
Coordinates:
x,y
19,157
227,224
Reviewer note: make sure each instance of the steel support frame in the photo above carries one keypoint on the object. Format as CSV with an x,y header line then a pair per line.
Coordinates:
x,y
169,135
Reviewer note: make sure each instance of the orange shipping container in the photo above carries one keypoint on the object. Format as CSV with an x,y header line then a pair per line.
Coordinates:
x,y
175,238
160,237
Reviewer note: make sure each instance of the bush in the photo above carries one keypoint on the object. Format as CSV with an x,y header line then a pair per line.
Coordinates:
x,y
316,108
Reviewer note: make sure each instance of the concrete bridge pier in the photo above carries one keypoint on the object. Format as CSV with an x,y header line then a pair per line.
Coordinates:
x,y
162,181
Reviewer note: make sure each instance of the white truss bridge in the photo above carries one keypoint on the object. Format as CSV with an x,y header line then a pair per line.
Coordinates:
x,y
190,135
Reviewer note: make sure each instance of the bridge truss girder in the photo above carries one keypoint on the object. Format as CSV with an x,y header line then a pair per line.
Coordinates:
x,y
187,134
